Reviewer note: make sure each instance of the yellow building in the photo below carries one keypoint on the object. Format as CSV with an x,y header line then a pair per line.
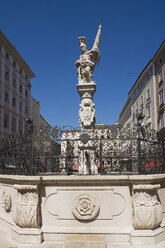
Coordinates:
x,y
35,112
37,118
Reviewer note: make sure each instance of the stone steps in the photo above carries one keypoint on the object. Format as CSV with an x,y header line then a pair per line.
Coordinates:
x,y
87,241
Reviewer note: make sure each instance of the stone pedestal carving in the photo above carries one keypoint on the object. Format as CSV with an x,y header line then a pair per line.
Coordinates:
x,y
87,116
26,208
147,212
6,200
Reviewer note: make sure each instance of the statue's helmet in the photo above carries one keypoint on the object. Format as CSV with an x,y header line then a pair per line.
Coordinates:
x,y
82,41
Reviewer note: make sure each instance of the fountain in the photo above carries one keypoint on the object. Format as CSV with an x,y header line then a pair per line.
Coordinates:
x,y
87,210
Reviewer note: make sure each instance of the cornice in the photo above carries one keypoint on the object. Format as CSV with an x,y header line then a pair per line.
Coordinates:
x,y
7,44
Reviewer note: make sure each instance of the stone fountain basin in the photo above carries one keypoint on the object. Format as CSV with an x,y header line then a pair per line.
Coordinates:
x,y
82,211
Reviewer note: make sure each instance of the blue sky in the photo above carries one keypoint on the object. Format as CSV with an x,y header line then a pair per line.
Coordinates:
x,y
45,33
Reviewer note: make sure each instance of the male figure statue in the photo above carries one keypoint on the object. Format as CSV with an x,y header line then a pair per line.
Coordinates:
x,y
88,59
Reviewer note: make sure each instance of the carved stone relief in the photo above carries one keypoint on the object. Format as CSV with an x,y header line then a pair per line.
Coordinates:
x,y
26,210
147,212
88,205
87,113
6,200
85,207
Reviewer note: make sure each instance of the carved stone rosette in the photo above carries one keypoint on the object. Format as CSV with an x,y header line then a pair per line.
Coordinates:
x,y
6,200
85,207
147,212
26,212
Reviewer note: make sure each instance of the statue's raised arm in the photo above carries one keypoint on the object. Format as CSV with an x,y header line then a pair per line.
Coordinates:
x,y
88,59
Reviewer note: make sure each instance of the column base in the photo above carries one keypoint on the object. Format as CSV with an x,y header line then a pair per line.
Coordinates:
x,y
27,235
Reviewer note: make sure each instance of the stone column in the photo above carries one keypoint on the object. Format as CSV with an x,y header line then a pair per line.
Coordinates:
x,y
87,118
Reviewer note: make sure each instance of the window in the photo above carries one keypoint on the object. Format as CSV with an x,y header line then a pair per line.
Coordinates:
x,y
149,126
0,48
14,101
20,88
137,91
26,109
26,93
6,96
7,76
161,98
13,124
147,76
141,111
20,126
20,70
0,69
150,72
161,120
148,93
7,56
6,121
14,82
160,76
141,100
20,106
133,116
14,64
26,77
137,106
148,111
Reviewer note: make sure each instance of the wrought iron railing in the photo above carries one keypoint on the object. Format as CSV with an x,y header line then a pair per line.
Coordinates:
x,y
56,151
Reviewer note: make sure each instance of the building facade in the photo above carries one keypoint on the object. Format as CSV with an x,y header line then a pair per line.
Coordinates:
x,y
146,97
35,112
37,118
15,89
106,141
160,87
143,98
125,115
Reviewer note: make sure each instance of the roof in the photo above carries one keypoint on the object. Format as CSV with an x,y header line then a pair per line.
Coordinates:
x,y
15,54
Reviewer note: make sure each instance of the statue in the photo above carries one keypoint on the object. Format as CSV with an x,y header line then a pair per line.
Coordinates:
x,y
87,114
88,59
